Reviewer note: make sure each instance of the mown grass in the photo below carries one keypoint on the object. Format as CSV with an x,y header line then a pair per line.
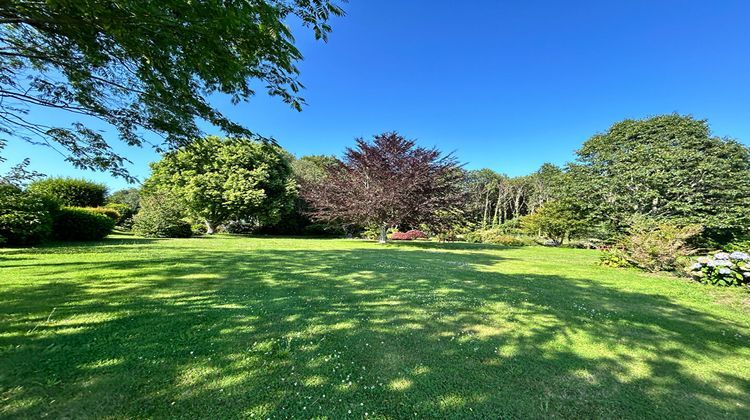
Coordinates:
x,y
230,327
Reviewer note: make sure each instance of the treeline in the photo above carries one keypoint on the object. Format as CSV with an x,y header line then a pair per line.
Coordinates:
x,y
665,169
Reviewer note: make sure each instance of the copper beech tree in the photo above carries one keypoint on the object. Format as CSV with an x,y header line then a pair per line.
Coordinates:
x,y
386,183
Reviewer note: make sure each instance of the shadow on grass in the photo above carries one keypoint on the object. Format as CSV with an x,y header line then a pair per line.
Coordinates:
x,y
393,332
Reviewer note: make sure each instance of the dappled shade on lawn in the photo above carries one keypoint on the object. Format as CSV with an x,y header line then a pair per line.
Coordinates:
x,y
227,327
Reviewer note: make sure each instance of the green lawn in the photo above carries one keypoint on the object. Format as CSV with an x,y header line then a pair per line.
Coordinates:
x,y
240,327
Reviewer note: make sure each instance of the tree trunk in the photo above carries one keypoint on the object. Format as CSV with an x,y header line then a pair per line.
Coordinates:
x,y
485,216
497,217
383,238
210,229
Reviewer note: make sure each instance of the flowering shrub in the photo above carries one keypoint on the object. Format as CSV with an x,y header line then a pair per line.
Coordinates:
x,y
722,269
408,235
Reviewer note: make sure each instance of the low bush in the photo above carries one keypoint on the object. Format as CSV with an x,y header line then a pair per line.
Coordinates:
x,y
323,230
722,269
161,217
239,227
654,246
373,232
71,192
409,235
497,237
610,258
25,218
740,243
124,211
81,224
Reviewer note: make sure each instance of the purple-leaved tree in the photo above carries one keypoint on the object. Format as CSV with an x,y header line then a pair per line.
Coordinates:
x,y
387,182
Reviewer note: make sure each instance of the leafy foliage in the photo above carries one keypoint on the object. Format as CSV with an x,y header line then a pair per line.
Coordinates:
x,y
667,168
495,199
161,215
497,237
557,220
227,179
409,235
110,212
386,183
71,192
127,203
144,65
81,224
25,218
722,269
653,245
130,197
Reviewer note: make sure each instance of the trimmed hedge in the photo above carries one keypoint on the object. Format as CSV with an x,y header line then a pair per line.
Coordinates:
x,y
71,192
25,219
107,211
81,224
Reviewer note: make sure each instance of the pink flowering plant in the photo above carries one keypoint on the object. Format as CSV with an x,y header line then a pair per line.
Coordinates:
x,y
722,269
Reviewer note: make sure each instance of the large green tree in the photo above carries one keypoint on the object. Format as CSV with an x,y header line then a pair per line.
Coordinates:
x,y
143,65
667,167
227,179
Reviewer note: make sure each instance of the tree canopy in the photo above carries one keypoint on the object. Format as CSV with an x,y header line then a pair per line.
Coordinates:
x,y
668,167
144,65
227,179
386,182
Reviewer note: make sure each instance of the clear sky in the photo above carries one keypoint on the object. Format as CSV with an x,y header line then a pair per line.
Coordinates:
x,y
507,85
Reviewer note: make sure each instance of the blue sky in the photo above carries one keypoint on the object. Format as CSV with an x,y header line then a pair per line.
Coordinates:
x,y
506,85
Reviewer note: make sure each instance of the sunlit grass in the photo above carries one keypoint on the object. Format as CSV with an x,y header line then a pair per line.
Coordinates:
x,y
267,327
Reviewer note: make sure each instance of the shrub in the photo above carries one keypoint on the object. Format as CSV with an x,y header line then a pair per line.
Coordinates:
x,y
127,203
25,218
81,224
408,235
497,237
722,269
160,216
107,211
71,191
655,246
239,227
125,213
323,229
738,244
609,258
373,232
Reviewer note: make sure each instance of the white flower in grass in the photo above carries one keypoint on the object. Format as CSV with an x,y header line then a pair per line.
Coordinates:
x,y
724,271
696,266
721,256
739,256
